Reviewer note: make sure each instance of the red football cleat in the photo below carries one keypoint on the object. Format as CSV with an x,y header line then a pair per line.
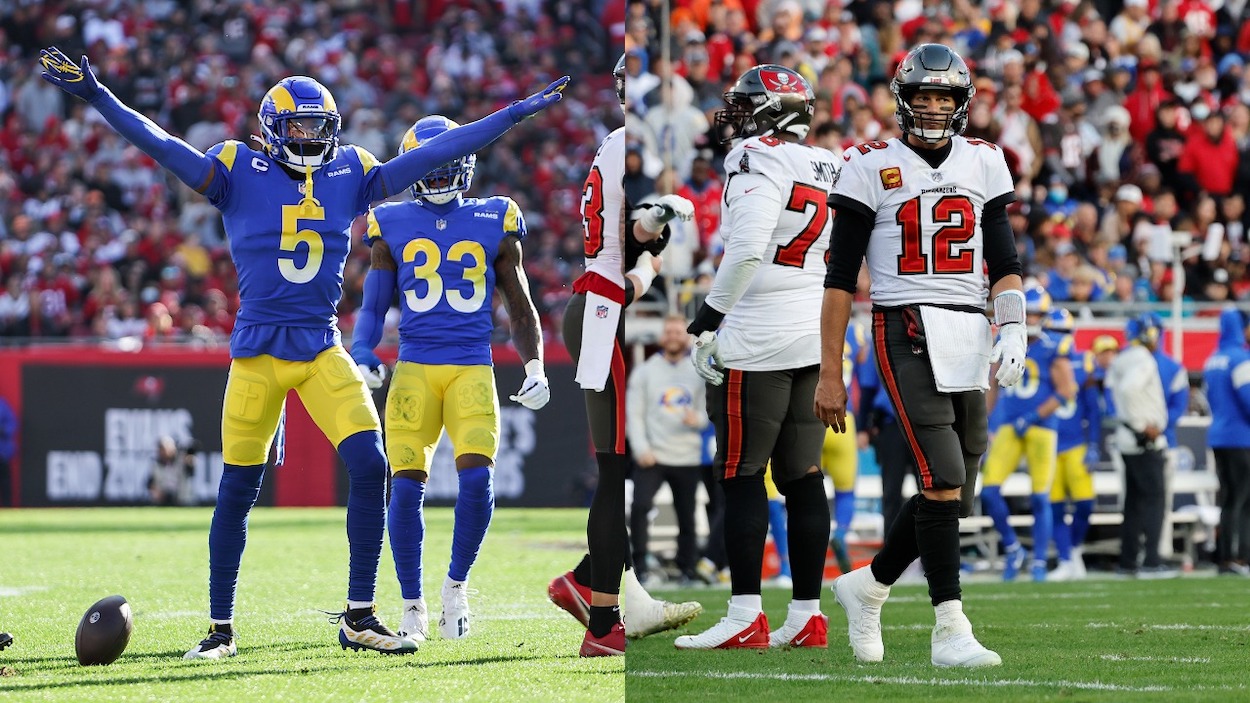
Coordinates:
x,y
567,593
610,645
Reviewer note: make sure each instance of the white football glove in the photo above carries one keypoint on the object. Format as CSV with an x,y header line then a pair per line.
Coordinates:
x,y
535,392
374,375
1009,353
665,209
705,361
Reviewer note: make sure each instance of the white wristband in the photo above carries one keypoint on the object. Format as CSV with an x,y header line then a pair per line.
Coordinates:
x,y
1009,307
644,272
534,368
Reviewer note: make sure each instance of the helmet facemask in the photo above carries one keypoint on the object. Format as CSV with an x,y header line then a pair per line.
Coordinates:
x,y
930,126
618,74
447,182
306,141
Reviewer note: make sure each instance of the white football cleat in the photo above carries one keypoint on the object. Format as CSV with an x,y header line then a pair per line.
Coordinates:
x,y
861,596
954,644
1078,563
801,629
454,624
1066,571
415,622
657,616
742,628
218,645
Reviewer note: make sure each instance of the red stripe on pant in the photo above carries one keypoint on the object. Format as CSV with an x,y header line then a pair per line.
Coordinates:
x,y
887,375
617,376
733,417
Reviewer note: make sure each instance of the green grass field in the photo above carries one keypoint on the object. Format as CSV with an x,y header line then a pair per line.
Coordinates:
x,y
56,563
1098,640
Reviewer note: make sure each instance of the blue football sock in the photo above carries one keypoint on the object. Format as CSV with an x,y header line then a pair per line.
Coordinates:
x,y
1040,502
474,507
1063,533
406,519
996,507
236,494
781,540
843,513
1081,511
366,510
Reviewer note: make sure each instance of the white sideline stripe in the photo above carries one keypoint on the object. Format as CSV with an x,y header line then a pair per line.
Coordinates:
x,y
1180,626
18,591
1170,660
910,680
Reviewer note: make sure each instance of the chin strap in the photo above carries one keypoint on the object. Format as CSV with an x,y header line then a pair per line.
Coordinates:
x,y
309,204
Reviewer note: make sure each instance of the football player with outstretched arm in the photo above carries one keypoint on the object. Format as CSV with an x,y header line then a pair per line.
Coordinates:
x,y
287,210
593,330
446,254
757,344
927,211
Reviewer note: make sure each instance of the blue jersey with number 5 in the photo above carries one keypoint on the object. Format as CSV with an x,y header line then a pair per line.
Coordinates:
x,y
446,277
289,252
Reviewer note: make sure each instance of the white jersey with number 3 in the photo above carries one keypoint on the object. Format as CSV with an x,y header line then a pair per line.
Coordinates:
x,y
603,209
926,244
775,207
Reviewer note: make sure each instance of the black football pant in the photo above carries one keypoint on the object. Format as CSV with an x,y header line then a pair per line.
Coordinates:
x,y
1143,508
683,481
1233,468
606,534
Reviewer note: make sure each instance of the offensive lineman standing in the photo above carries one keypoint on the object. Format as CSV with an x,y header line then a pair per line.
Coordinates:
x,y
767,292
928,210
593,330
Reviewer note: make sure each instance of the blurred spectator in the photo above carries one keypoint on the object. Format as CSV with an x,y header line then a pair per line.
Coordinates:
x,y
1209,158
667,417
172,470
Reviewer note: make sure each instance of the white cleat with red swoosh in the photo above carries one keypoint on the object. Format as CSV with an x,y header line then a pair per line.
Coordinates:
x,y
742,628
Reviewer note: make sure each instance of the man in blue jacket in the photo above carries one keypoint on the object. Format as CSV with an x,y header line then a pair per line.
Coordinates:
x,y
1227,377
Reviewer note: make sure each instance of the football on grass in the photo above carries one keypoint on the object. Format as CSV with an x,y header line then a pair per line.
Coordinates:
x,y
103,632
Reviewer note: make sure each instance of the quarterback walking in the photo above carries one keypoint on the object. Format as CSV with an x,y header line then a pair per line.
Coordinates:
x,y
928,211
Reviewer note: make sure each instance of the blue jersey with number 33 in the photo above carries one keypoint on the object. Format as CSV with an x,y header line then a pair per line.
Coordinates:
x,y
289,252
446,277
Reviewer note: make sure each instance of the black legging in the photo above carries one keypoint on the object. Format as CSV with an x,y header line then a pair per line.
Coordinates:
x,y
683,481
1143,508
1233,468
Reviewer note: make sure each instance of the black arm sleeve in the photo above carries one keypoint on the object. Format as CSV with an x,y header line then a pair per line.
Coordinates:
x,y
847,245
999,240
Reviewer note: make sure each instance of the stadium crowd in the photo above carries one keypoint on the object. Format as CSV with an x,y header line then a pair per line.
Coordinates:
x,y
1123,122
97,241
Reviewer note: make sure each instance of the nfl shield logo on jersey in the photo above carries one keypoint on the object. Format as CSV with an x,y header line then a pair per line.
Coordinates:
x,y
440,224
601,312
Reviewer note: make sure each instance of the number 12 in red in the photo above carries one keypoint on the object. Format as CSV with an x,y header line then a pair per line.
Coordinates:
x,y
956,218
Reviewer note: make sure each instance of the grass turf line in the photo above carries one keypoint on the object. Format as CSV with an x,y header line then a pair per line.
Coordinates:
x,y
1099,640
56,563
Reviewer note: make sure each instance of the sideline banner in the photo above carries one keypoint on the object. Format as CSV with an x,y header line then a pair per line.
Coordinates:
x,y
90,420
